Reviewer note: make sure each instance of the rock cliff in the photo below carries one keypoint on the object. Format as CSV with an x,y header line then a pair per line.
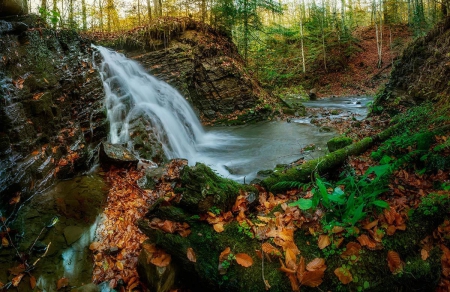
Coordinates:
x,y
200,62
51,109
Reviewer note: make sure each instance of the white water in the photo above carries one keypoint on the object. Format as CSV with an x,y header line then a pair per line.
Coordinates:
x,y
131,93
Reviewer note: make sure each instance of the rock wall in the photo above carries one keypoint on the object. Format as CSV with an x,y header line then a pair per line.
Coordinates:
x,y
51,111
201,63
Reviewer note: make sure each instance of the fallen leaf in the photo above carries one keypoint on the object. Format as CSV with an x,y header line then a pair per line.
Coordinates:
x,y
270,249
395,264
32,282
424,254
119,265
371,225
224,254
324,241
316,264
191,255
313,278
63,282
218,227
162,259
37,96
244,259
290,259
351,249
94,245
15,199
16,280
5,242
344,275
364,240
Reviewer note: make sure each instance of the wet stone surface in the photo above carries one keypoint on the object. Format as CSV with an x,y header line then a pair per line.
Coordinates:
x,y
76,203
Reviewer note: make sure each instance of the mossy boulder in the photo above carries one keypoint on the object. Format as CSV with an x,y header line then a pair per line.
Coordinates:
x,y
202,189
337,143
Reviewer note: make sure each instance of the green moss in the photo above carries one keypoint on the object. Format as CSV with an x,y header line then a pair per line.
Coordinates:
x,y
203,189
337,143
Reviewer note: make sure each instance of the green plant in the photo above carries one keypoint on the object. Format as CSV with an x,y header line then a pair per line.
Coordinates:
x,y
53,15
349,207
215,210
244,228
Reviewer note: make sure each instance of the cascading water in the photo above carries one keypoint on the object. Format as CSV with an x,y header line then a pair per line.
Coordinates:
x,y
132,93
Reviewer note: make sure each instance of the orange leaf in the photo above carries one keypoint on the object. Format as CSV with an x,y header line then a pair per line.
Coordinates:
x,y
191,255
313,278
294,282
94,246
16,280
5,242
344,275
364,240
244,259
63,282
15,199
119,265
352,249
301,269
337,229
371,225
168,226
291,259
394,262
270,249
224,254
151,248
324,241
38,95
424,254
32,282
316,264
161,260
218,227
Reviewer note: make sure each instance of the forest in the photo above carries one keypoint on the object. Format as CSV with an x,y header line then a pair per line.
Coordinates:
x,y
246,145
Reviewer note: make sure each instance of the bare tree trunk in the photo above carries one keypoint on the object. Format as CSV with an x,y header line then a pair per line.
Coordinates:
x,y
149,11
100,6
55,8
301,35
378,32
83,14
139,12
71,20
203,8
323,38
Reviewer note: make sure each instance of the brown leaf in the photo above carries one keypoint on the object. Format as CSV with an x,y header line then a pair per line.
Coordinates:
x,y
352,249
5,242
37,96
424,254
15,199
313,278
301,269
94,245
224,254
364,240
316,264
162,259
32,282
63,282
191,255
16,280
218,227
324,241
244,259
291,259
394,262
151,248
294,283
119,265
371,225
344,275
17,270
270,249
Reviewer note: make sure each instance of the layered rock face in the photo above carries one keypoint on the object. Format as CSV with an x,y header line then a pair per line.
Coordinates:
x,y
203,65
51,107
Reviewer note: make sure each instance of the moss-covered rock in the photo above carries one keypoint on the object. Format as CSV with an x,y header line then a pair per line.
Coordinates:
x,y
338,143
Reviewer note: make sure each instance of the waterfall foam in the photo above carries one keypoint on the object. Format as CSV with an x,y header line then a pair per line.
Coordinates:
x,y
131,93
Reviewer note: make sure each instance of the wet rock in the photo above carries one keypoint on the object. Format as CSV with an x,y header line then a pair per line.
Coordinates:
x,y
158,279
313,94
12,7
46,131
151,178
325,129
265,172
72,234
87,288
118,155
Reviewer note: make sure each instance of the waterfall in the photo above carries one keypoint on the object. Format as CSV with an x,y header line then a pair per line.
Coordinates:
x,y
132,93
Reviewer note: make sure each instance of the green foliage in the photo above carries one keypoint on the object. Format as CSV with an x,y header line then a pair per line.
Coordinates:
x,y
52,15
349,207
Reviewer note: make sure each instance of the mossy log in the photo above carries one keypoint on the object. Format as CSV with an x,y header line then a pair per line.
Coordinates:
x,y
327,163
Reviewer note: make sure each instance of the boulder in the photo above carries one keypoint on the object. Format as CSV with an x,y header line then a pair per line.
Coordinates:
x,y
118,155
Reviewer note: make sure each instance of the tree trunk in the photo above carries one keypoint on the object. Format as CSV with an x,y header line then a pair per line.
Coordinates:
x,y
302,8
83,14
139,12
149,11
